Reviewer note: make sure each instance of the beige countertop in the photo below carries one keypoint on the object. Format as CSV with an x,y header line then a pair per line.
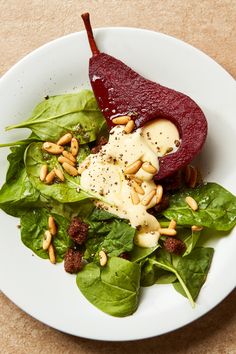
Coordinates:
x,y
208,25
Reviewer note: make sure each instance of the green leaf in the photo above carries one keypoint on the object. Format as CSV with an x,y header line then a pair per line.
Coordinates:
x,y
163,260
18,193
34,223
216,207
193,270
109,233
63,192
139,253
113,289
77,113
165,277
191,242
23,142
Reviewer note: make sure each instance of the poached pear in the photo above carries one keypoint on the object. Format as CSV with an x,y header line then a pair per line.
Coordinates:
x,y
121,91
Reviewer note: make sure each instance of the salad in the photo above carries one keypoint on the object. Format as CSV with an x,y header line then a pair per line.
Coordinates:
x,y
84,198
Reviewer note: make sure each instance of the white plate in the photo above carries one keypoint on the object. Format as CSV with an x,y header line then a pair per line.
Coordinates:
x,y
46,292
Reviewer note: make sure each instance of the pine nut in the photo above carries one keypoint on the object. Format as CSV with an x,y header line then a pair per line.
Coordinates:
x,y
147,199
82,167
52,226
137,188
159,193
196,228
65,139
74,146
193,178
47,240
52,148
103,258
43,172
191,203
63,159
50,177
148,167
172,224
133,168
134,197
121,120
167,232
136,179
51,253
69,156
70,169
59,174
129,127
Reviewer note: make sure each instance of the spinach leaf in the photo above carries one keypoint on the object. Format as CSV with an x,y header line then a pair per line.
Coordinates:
x,y
84,151
108,232
23,142
64,192
163,260
193,270
217,207
151,273
77,113
139,253
113,289
68,210
34,223
191,242
18,193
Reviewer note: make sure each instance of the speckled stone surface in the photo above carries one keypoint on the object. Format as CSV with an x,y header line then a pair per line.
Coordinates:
x,y
209,25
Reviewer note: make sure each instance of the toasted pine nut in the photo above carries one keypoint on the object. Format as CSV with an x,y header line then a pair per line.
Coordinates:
x,y
82,167
74,146
136,179
103,258
134,197
70,169
129,127
191,203
51,253
172,224
63,159
121,120
43,172
137,188
146,200
53,148
65,139
133,168
159,193
167,232
196,228
193,178
59,174
148,167
47,240
52,225
69,156
50,177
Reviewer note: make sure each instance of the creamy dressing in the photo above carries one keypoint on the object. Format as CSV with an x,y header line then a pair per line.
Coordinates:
x,y
162,136
105,175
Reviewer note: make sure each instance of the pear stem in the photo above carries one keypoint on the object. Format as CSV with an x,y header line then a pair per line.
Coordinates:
x,y
89,31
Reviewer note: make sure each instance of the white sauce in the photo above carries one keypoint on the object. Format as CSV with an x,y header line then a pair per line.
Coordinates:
x,y
105,174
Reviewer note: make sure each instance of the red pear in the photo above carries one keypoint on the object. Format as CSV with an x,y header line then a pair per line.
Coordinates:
x,y
119,90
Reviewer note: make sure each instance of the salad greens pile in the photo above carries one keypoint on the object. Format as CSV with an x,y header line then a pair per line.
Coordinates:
x,y
114,288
